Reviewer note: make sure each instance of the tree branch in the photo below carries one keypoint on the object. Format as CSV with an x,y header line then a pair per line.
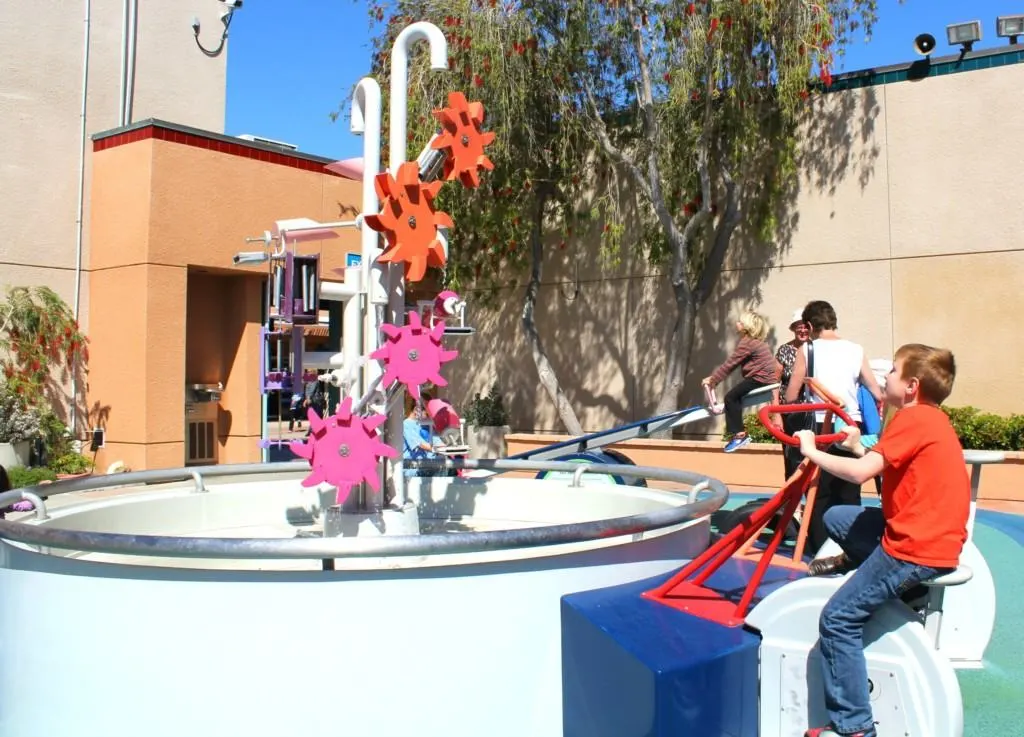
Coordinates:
x,y
645,101
727,224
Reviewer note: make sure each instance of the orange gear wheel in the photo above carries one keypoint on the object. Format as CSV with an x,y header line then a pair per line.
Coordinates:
x,y
409,221
463,139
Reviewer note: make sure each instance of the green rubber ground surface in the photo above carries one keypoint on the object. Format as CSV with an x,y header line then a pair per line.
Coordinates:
x,y
994,696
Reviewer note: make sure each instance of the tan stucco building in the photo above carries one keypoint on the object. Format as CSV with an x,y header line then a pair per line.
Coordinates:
x,y
171,206
905,219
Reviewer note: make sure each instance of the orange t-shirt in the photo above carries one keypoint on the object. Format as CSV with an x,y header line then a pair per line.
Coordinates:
x,y
926,494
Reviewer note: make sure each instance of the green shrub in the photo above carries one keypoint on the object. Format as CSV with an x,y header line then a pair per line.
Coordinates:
x,y
977,430
71,463
21,477
487,411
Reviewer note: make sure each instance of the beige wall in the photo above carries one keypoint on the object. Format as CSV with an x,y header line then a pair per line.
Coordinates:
x,y
906,219
41,54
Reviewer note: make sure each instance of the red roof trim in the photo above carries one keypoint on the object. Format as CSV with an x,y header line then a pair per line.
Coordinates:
x,y
211,143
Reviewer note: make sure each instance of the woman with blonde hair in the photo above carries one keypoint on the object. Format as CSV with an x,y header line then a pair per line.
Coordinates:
x,y
757,364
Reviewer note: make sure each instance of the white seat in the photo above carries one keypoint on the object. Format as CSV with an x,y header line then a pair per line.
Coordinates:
x,y
936,593
961,575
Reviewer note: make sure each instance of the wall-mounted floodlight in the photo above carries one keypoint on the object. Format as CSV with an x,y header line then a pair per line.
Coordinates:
x,y
249,258
964,34
1010,26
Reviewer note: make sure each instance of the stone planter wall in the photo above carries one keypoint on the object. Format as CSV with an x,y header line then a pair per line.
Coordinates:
x,y
487,442
760,465
14,454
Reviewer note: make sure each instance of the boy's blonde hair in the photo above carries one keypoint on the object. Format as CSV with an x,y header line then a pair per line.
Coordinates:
x,y
934,369
754,325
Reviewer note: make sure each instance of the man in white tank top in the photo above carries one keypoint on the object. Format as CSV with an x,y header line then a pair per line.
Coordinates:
x,y
840,366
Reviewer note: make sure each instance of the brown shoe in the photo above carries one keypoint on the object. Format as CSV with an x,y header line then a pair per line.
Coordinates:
x,y
834,565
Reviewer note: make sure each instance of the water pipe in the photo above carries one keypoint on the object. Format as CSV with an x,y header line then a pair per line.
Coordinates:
x,y
366,121
397,152
128,90
80,208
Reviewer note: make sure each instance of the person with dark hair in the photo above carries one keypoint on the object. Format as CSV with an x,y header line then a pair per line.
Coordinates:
x,y
5,485
840,366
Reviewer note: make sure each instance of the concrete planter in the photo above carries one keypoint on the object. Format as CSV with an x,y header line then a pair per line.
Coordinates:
x,y
759,465
14,454
488,442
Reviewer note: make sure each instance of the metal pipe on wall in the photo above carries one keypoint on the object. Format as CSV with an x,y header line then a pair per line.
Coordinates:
x,y
129,85
125,17
80,208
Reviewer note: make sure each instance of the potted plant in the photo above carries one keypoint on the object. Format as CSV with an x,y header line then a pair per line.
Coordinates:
x,y
71,465
488,425
19,424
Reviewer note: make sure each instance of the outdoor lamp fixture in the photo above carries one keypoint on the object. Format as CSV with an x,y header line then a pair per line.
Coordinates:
x,y
964,34
230,6
250,258
1010,26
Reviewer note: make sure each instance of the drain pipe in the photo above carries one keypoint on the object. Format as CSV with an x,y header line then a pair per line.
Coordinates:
x,y
129,79
79,215
125,12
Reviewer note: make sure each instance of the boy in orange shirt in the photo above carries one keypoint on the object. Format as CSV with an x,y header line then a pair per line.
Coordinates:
x,y
916,535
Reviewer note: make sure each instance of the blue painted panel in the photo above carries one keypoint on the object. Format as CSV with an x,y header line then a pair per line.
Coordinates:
x,y
635,668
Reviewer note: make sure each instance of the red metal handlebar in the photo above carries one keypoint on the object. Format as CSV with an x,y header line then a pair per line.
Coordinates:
x,y
788,409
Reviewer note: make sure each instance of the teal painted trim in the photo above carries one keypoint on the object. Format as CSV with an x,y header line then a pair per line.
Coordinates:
x,y
922,69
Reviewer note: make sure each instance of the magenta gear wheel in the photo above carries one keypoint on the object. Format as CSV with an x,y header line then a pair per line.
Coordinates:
x,y
343,450
413,354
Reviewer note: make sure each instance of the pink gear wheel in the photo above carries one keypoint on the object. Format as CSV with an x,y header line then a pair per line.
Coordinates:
x,y
413,354
343,450
443,415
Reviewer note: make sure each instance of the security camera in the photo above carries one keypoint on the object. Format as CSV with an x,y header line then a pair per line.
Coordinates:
x,y
245,258
195,24
233,4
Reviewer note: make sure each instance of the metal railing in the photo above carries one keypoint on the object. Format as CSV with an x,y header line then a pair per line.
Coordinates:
x,y
360,547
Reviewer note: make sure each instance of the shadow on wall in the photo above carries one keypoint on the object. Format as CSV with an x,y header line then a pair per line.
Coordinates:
x,y
605,326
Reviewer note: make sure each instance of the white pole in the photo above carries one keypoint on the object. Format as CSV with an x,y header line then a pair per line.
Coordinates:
x,y
366,121
398,151
351,333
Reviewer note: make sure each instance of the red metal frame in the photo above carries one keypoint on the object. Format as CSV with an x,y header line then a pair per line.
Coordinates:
x,y
686,590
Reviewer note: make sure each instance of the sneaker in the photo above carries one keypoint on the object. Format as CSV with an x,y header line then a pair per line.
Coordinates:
x,y
737,442
831,732
833,565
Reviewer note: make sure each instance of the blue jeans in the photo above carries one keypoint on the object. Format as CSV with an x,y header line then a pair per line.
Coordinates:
x,y
879,578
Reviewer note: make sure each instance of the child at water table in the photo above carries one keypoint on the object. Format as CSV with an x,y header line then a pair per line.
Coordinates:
x,y
916,535
755,359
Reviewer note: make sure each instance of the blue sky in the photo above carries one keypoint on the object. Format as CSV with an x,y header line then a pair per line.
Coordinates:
x,y
292,62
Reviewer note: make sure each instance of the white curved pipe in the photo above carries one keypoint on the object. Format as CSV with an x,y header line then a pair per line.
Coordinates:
x,y
397,150
421,31
366,121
